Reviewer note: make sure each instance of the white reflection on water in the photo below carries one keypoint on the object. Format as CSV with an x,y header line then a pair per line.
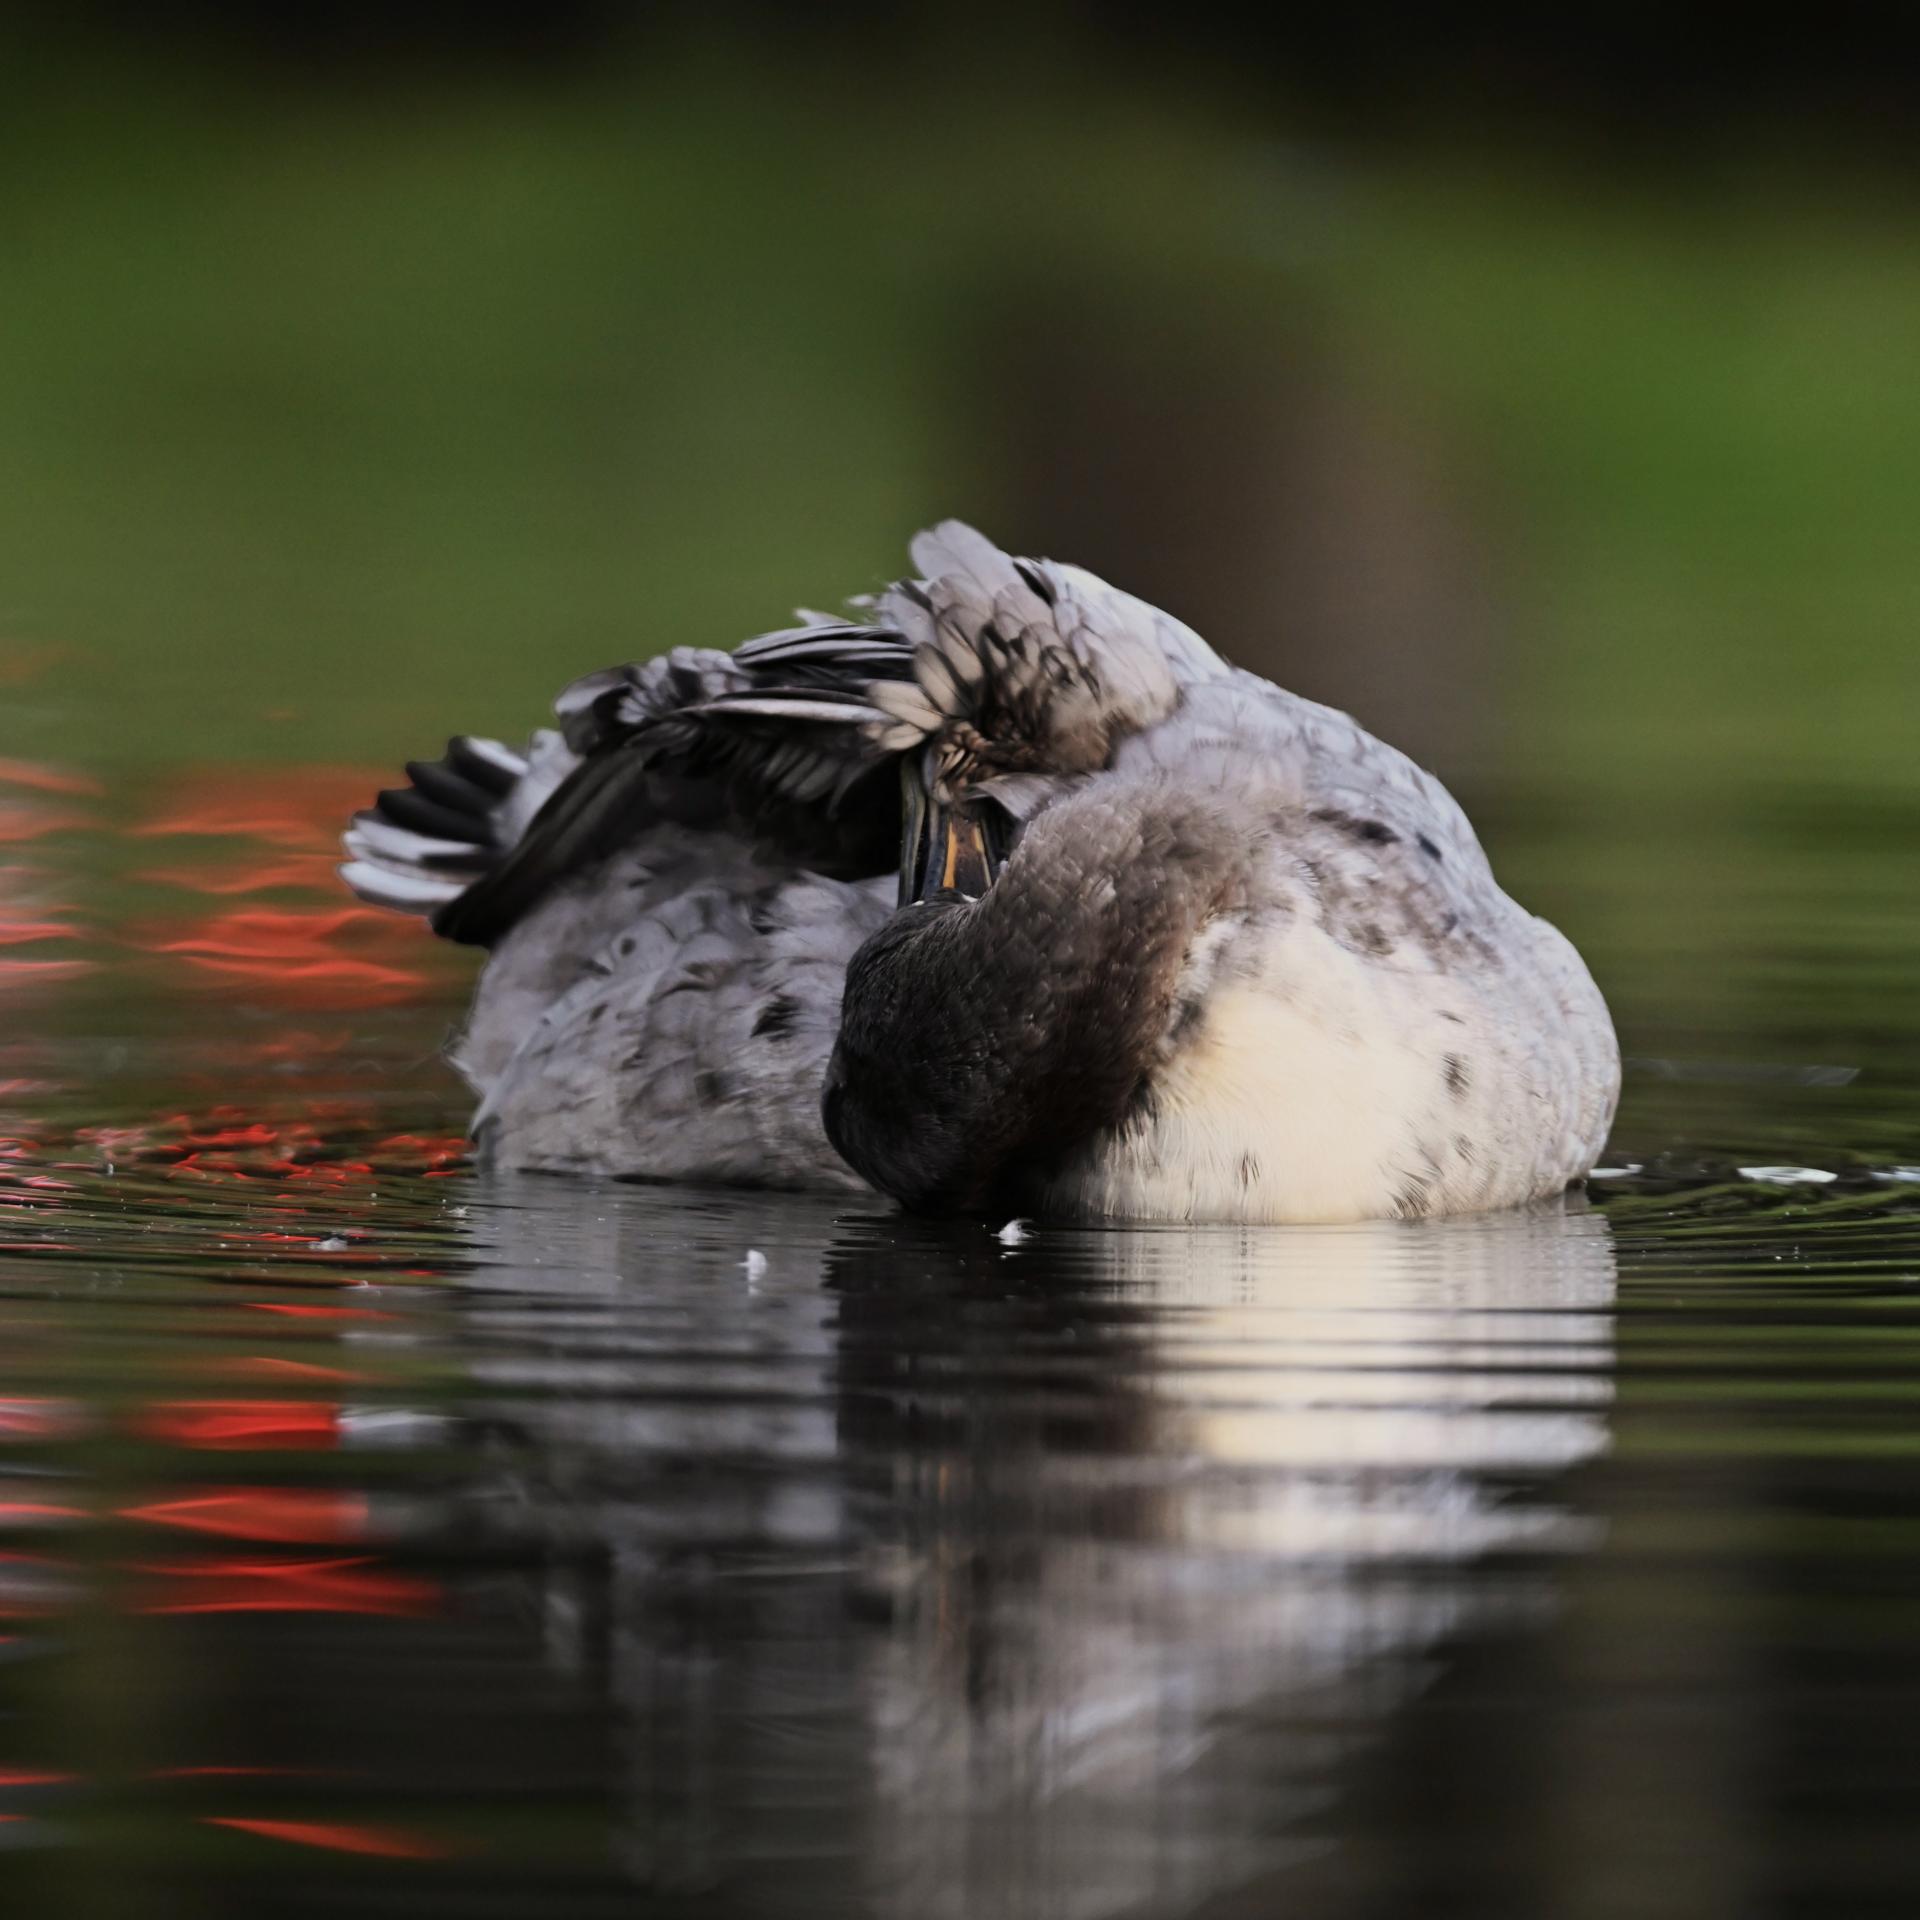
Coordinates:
x,y
948,1578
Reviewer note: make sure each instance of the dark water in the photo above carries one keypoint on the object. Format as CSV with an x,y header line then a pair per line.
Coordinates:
x,y
383,1540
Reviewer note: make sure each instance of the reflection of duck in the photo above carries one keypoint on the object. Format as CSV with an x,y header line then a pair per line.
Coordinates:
x,y
1077,1580
1158,939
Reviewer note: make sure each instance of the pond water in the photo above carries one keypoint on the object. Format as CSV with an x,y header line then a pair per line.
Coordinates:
x,y
377,1538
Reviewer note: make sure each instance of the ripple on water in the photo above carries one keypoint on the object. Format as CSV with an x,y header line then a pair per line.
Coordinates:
x,y
374,1534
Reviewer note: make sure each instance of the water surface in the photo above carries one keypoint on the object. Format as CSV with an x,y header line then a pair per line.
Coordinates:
x,y
378,1538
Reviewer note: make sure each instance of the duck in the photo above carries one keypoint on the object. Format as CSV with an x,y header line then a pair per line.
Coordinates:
x,y
1000,892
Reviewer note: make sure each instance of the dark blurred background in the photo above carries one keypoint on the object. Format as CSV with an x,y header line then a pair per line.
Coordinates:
x,y
371,369
1549,397
1546,397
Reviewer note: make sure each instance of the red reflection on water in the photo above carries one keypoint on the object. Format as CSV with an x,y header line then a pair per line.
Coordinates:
x,y
387,1843
28,1513
311,870
253,1366
229,1424
256,1133
37,774
437,1152
315,1313
38,1419
37,1779
331,956
231,1137
293,1586
294,1516
294,949
299,807
231,1143
40,973
301,1044
21,933
31,917
21,821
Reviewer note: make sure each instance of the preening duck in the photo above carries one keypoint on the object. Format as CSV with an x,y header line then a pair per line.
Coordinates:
x,y
1004,893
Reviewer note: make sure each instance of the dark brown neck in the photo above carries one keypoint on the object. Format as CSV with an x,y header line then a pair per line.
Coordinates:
x,y
980,1041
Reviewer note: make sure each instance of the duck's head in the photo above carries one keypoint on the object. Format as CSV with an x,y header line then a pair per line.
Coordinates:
x,y
1016,695
1017,686
1016,1002
1021,1001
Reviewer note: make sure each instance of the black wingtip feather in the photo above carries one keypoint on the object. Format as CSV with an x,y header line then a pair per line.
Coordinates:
x,y
449,789
494,776
409,807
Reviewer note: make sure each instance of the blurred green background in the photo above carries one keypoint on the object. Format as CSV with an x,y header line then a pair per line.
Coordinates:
x,y
1552,405
353,396
1552,402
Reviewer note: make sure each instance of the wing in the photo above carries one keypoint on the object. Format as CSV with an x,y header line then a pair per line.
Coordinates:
x,y
775,744
1025,672
985,668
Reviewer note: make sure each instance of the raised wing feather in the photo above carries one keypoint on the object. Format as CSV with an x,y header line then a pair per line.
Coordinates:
x,y
775,743
1003,673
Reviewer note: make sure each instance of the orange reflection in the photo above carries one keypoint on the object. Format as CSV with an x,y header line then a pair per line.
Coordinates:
x,y
437,1152
302,1516
40,973
229,1141
255,1133
21,821
298,807
293,1586
254,1366
46,779
38,1419
313,1313
294,948
30,917
314,870
331,956
232,1424
30,1513
387,1843
20,933
301,1044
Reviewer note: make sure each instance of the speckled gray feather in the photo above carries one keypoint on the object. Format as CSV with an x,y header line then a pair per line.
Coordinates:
x,y
1243,961
982,1041
669,1016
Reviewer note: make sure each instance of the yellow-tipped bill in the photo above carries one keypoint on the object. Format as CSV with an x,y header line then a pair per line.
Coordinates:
x,y
947,848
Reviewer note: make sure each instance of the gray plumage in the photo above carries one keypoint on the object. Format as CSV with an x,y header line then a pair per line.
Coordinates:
x,y
1244,960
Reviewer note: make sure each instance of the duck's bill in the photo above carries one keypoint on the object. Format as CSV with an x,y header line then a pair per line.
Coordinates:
x,y
945,849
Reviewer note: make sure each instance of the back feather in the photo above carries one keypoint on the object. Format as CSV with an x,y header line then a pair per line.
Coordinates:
x,y
1000,672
